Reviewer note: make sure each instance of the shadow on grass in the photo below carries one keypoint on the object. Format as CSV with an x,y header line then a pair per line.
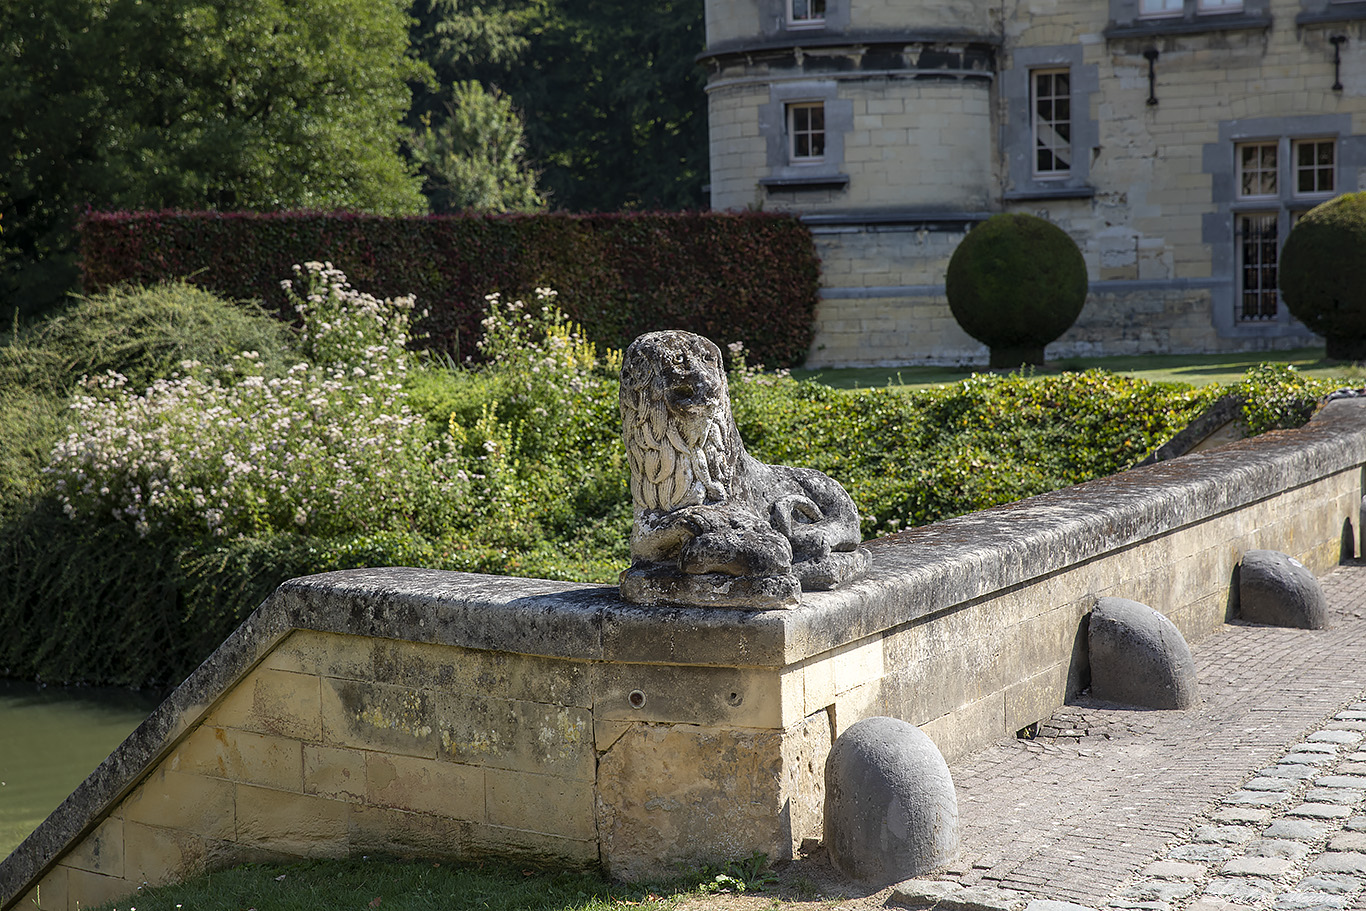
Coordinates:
x,y
1192,369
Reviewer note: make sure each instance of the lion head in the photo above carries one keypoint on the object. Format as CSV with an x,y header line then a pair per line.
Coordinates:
x,y
681,440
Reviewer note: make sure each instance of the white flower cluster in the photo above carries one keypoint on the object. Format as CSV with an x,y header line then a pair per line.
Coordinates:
x,y
328,448
345,326
542,345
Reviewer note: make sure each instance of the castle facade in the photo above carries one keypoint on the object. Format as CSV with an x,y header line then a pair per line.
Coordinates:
x,y
1175,140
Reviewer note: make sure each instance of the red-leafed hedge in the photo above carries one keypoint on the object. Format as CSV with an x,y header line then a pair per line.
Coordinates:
x,y
749,277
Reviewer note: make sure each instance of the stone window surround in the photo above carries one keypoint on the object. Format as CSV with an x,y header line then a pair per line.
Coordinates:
x,y
1218,229
839,120
774,21
1018,134
1327,12
1126,21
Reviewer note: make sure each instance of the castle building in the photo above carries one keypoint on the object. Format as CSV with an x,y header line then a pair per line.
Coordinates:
x,y
1175,140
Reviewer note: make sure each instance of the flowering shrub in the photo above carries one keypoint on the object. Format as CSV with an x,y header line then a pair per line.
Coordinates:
x,y
329,448
346,328
542,443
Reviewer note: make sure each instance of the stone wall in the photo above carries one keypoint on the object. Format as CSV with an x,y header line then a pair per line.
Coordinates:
x,y
929,116
453,716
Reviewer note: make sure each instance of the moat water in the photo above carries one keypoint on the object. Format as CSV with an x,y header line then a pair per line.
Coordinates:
x,y
51,738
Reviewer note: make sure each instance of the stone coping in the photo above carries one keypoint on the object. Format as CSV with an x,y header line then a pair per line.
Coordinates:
x,y
916,573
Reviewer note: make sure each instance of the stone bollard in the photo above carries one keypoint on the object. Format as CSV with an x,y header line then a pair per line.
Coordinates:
x,y
1139,657
1278,590
890,808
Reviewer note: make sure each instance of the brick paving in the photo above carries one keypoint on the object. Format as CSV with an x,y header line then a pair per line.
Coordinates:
x,y
1253,800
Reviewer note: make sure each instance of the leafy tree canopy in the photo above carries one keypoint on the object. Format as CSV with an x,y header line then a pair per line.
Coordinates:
x,y
614,103
229,104
473,156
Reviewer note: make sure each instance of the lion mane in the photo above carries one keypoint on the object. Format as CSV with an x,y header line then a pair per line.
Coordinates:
x,y
712,525
677,458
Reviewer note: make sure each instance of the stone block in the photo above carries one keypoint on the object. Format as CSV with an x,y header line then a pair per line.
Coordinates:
x,y
334,772
1139,657
272,701
890,807
1257,866
1278,590
264,759
540,803
374,716
95,889
409,783
51,893
680,793
1339,862
957,734
512,734
388,830
494,674
805,747
297,824
175,800
101,851
732,696
157,855
533,847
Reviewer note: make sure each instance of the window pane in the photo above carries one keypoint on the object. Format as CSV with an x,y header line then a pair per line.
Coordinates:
x,y
806,131
1052,123
1315,170
1257,171
1221,6
1159,7
1257,261
806,11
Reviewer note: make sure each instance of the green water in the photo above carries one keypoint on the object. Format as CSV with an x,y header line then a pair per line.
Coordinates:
x,y
51,738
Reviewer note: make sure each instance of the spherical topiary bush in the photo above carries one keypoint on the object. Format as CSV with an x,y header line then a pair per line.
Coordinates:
x,y
1016,283
1323,274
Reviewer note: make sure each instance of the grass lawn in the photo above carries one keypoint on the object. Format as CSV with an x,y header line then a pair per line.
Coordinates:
x,y
1195,369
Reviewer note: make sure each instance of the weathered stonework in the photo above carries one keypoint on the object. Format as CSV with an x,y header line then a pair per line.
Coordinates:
x,y
452,715
713,526
930,128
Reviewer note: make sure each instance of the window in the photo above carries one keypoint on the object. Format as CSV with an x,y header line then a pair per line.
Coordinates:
x,y
1152,9
1220,6
805,13
1312,171
1315,166
1257,256
806,132
1257,170
1052,106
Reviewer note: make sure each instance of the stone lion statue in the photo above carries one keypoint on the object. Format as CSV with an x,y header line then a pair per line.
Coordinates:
x,y
713,525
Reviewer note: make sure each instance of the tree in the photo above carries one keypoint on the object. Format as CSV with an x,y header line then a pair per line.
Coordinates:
x,y
1323,274
473,157
226,104
1015,283
615,104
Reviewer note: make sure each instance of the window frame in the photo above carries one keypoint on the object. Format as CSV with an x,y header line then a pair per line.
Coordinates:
x,y
791,110
1036,122
795,22
1297,170
1219,7
1266,306
1165,13
1240,172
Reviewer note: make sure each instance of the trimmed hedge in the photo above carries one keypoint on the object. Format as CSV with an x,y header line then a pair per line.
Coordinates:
x,y
1016,283
1323,274
750,277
